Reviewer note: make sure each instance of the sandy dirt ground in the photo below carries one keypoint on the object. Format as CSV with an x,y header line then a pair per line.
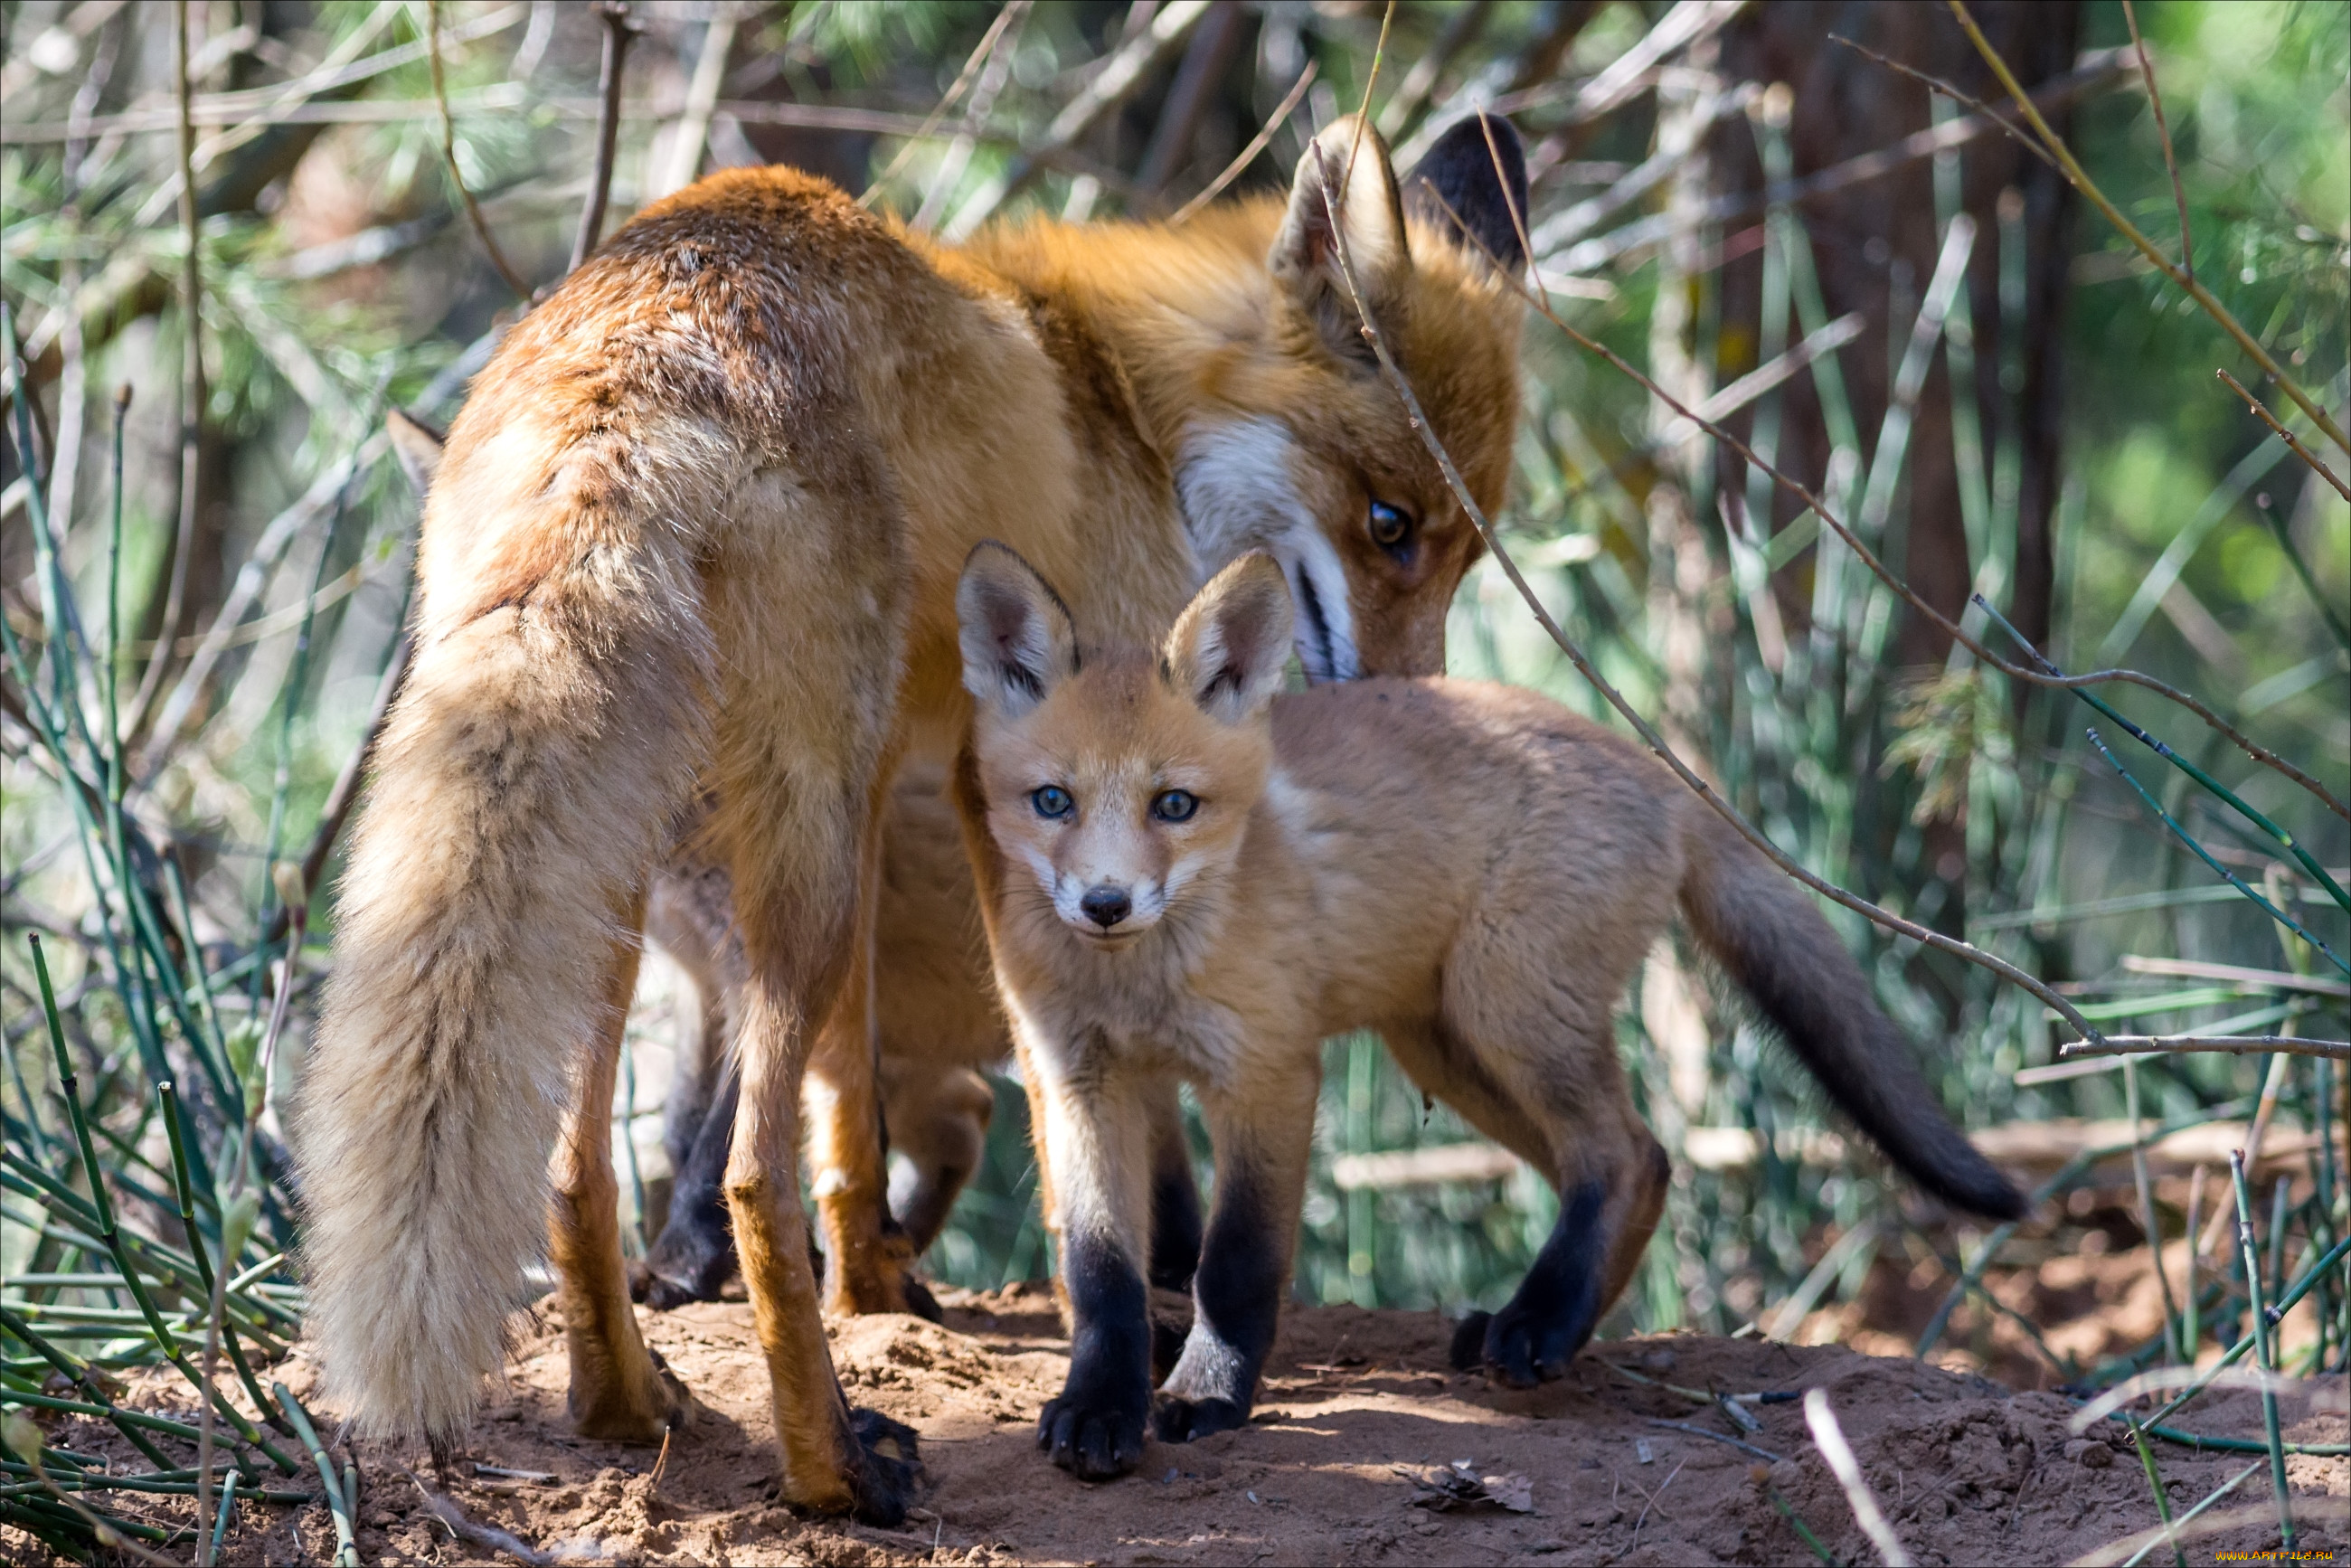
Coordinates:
x,y
1356,1404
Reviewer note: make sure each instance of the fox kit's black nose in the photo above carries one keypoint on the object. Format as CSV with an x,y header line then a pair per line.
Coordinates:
x,y
1106,907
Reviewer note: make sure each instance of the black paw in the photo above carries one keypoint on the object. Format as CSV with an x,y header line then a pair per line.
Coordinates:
x,y
921,1302
1178,1420
1524,1350
1468,1353
887,1469
691,1262
1093,1444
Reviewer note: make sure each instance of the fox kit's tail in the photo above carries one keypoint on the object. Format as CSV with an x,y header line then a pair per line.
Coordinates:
x,y
547,730
1765,932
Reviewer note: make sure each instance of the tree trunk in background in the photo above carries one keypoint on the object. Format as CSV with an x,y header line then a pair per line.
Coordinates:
x,y
1874,246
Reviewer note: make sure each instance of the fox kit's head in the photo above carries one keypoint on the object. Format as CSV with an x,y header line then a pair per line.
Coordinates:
x,y
1118,782
1297,444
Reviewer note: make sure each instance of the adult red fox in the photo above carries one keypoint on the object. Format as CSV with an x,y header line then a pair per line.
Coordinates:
x,y
1184,875
698,532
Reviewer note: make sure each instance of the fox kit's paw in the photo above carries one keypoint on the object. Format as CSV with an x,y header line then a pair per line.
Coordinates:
x,y
885,1471
1179,1420
1525,1347
1094,1440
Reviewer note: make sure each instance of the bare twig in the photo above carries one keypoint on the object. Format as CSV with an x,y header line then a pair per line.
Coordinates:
x,y
1194,84
2202,1044
1937,84
1463,25
2282,433
1119,74
1247,154
483,1535
993,75
2082,182
701,100
1829,1438
449,155
619,31
192,384
2163,130
981,52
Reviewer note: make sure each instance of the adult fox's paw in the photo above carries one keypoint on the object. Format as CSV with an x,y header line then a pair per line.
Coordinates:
x,y
1179,1420
885,1470
1093,1441
1524,1349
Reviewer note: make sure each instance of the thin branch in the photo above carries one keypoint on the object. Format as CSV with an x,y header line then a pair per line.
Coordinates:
x,y
2292,441
618,32
2200,1044
701,100
1463,25
2082,182
1419,419
2163,130
981,52
449,155
993,75
1937,84
1247,154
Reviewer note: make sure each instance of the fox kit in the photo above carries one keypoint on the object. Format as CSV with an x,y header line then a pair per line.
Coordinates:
x,y
696,534
1184,875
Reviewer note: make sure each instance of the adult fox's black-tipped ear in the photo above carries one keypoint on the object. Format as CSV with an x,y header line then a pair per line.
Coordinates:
x,y
1018,642
1471,187
1230,648
417,446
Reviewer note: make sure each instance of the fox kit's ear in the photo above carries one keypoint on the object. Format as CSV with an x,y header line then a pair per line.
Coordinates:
x,y
1361,196
1231,645
1471,187
417,446
1018,642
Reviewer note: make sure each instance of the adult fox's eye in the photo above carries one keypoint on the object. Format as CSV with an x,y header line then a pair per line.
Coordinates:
x,y
1391,527
1175,805
1052,801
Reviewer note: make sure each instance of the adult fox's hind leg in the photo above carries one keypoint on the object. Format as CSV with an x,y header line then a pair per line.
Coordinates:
x,y
803,733
620,1391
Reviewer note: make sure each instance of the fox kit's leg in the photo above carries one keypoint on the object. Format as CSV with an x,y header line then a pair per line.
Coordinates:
x,y
618,1391
1262,1132
691,1260
940,1124
1175,1196
1095,1132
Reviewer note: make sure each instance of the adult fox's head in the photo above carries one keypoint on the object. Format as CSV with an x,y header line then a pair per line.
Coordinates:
x,y
1119,782
1241,346
1303,449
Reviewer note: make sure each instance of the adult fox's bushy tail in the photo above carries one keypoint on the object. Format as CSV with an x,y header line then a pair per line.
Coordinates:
x,y
1765,932
546,729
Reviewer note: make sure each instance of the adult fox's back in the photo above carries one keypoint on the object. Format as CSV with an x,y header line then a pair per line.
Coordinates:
x,y
700,522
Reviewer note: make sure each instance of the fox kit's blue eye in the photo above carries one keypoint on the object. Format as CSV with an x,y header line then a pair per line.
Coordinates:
x,y
1052,801
1391,527
1175,805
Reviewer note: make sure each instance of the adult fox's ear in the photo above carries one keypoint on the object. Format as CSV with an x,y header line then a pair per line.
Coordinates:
x,y
1018,642
1471,187
418,447
1344,186
1231,645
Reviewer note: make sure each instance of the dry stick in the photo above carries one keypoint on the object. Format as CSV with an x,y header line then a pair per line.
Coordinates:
x,y
993,74
1247,154
980,54
1869,558
1937,84
1615,699
464,1528
618,33
449,155
2081,180
2204,1044
192,383
1829,1438
2292,441
2163,130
